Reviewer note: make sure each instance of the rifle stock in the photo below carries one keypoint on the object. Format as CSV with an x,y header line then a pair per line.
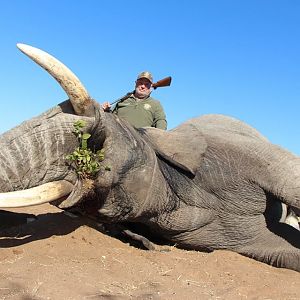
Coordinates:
x,y
163,82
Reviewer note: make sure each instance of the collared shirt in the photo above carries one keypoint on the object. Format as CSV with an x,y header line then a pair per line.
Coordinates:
x,y
142,112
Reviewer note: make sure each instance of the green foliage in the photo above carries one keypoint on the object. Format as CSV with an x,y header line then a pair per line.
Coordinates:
x,y
85,162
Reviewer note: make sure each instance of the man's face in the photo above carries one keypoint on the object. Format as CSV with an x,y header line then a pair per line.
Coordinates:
x,y
142,88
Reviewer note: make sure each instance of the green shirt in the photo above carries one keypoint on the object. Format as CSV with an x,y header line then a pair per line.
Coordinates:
x,y
142,113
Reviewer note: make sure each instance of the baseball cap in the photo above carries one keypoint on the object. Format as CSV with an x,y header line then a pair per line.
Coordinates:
x,y
147,75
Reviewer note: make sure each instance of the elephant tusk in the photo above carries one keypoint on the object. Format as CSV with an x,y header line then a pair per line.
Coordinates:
x,y
38,195
75,90
284,212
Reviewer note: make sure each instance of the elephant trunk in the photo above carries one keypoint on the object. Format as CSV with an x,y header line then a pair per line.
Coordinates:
x,y
34,152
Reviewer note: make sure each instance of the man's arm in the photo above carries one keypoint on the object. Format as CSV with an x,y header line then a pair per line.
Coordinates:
x,y
106,106
160,120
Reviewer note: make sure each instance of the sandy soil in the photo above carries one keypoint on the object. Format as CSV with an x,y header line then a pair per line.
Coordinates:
x,y
60,257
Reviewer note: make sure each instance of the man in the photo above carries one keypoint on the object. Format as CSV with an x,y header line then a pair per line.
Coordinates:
x,y
139,108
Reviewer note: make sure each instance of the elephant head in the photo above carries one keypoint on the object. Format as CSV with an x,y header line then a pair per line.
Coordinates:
x,y
211,183
33,154
33,166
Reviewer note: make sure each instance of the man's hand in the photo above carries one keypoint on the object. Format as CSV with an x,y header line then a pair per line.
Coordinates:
x,y
106,106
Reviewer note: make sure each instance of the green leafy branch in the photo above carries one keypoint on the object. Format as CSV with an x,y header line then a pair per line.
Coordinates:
x,y
85,162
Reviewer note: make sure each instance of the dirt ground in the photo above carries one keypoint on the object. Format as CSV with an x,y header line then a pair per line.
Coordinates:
x,y
60,257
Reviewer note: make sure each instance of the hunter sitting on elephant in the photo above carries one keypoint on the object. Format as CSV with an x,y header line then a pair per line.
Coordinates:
x,y
211,183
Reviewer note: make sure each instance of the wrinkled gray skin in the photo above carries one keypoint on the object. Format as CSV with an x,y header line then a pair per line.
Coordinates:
x,y
211,183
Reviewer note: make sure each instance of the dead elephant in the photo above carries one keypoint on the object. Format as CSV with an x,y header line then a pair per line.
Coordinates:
x,y
211,183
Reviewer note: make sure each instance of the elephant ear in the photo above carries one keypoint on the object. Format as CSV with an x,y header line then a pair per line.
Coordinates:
x,y
183,146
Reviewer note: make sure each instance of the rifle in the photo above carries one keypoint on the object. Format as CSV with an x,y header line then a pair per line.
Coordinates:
x,y
160,83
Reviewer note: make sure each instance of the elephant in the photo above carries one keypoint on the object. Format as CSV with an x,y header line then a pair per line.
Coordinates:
x,y
211,183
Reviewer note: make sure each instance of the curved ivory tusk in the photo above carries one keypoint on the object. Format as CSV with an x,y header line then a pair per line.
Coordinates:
x,y
41,194
75,90
284,213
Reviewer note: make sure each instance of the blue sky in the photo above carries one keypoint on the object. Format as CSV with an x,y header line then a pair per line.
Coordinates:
x,y
239,58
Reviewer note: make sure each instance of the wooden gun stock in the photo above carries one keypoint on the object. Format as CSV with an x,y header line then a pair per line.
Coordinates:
x,y
163,82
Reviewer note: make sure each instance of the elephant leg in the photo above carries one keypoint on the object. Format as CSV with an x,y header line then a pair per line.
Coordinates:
x,y
278,246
